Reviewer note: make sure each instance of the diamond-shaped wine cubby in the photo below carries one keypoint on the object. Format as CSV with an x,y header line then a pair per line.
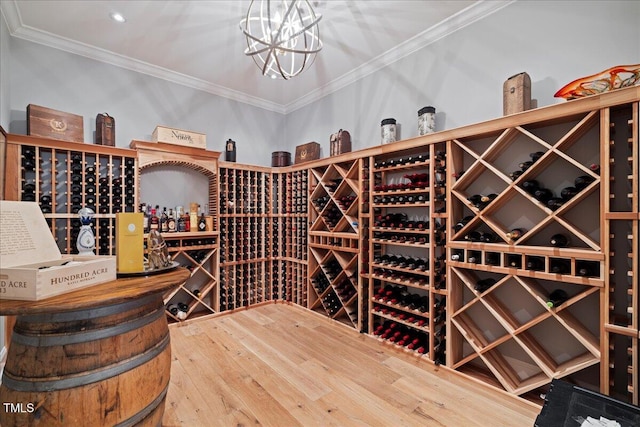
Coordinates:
x,y
518,233
334,212
525,331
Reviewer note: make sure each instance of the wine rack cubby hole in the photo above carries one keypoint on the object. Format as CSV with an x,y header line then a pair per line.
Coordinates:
x,y
199,252
480,305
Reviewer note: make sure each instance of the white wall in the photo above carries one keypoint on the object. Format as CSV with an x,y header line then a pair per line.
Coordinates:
x,y
75,84
4,74
462,75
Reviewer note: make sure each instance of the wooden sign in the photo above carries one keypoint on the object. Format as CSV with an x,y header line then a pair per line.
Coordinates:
x,y
54,124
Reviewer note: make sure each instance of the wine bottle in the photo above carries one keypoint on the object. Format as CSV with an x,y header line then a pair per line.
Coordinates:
x,y
556,298
555,203
559,266
515,234
460,224
514,261
474,257
583,181
535,264
473,236
543,194
492,258
515,175
530,186
525,165
568,193
587,269
484,284
595,168
536,155
559,241
488,237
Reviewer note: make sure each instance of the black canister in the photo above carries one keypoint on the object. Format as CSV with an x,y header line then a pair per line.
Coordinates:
x,y
230,151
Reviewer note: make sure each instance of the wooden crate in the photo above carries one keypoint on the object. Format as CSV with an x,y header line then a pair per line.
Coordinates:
x,y
307,152
50,123
186,138
26,237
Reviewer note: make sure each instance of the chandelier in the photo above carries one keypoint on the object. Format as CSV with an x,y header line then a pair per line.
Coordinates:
x,y
282,36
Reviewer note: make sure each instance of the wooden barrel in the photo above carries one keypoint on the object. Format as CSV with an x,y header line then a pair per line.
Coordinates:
x,y
93,367
280,159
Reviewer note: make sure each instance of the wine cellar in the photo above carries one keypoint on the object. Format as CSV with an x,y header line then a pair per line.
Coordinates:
x,y
507,251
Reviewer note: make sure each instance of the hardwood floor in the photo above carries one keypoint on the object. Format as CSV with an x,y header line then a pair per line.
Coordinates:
x,y
281,365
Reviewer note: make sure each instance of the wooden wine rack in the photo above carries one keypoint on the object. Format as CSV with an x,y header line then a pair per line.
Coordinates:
x,y
621,179
408,221
198,295
334,238
289,222
64,177
196,251
504,334
245,206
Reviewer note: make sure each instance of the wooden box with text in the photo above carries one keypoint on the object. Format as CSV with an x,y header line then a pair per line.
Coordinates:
x,y
185,138
54,124
26,238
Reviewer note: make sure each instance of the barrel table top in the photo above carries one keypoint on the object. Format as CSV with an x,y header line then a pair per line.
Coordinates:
x,y
104,294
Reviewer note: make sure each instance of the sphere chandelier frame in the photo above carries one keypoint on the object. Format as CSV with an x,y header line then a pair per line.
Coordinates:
x,y
283,36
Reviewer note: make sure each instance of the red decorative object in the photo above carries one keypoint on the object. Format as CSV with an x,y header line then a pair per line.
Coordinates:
x,y
614,78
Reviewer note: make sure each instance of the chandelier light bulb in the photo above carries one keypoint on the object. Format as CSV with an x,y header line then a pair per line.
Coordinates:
x,y
283,36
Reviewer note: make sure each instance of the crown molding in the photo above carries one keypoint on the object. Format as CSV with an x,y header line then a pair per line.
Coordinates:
x,y
465,17
454,23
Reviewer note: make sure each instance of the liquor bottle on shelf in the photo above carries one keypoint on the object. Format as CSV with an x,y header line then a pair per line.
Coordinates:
x,y
154,221
556,298
171,222
559,241
145,219
164,221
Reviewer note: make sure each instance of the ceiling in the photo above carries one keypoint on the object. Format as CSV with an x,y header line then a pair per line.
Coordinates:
x,y
200,44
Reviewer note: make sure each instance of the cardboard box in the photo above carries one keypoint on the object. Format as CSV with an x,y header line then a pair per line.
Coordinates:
x,y
54,124
185,138
31,266
307,152
130,242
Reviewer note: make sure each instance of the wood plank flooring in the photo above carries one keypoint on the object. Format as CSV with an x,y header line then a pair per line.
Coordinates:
x,y
281,365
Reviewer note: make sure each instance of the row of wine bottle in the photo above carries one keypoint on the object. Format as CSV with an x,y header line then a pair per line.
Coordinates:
x,y
556,265
401,199
409,160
